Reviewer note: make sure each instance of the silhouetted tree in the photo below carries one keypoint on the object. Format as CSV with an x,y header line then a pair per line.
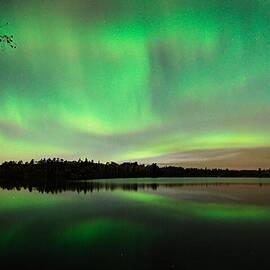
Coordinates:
x,y
54,170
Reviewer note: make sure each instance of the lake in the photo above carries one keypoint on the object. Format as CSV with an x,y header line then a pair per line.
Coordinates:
x,y
137,224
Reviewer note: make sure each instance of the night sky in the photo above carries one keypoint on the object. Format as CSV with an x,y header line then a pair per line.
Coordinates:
x,y
183,82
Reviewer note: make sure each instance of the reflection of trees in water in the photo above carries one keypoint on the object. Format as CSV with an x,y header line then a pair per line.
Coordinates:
x,y
62,186
90,186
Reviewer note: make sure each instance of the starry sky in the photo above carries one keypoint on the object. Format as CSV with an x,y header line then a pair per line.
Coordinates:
x,y
182,82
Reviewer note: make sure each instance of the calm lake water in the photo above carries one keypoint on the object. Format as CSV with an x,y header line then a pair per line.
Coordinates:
x,y
138,224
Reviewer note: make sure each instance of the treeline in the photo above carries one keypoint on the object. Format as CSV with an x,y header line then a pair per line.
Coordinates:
x,y
59,169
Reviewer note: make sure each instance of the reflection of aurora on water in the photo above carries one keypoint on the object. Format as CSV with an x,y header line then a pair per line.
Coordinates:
x,y
103,230
96,231
180,208
120,226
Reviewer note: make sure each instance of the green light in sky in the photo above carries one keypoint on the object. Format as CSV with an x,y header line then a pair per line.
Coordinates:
x,y
134,79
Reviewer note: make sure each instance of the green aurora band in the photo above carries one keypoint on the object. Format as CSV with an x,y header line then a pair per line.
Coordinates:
x,y
167,81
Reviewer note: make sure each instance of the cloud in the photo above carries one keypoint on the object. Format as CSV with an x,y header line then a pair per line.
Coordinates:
x,y
247,158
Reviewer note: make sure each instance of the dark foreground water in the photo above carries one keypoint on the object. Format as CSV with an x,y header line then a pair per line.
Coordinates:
x,y
138,224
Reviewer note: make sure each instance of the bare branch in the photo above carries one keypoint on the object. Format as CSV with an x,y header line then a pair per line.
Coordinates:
x,y
7,39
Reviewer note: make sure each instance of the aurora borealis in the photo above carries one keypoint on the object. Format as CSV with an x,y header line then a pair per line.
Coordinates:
x,y
168,81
